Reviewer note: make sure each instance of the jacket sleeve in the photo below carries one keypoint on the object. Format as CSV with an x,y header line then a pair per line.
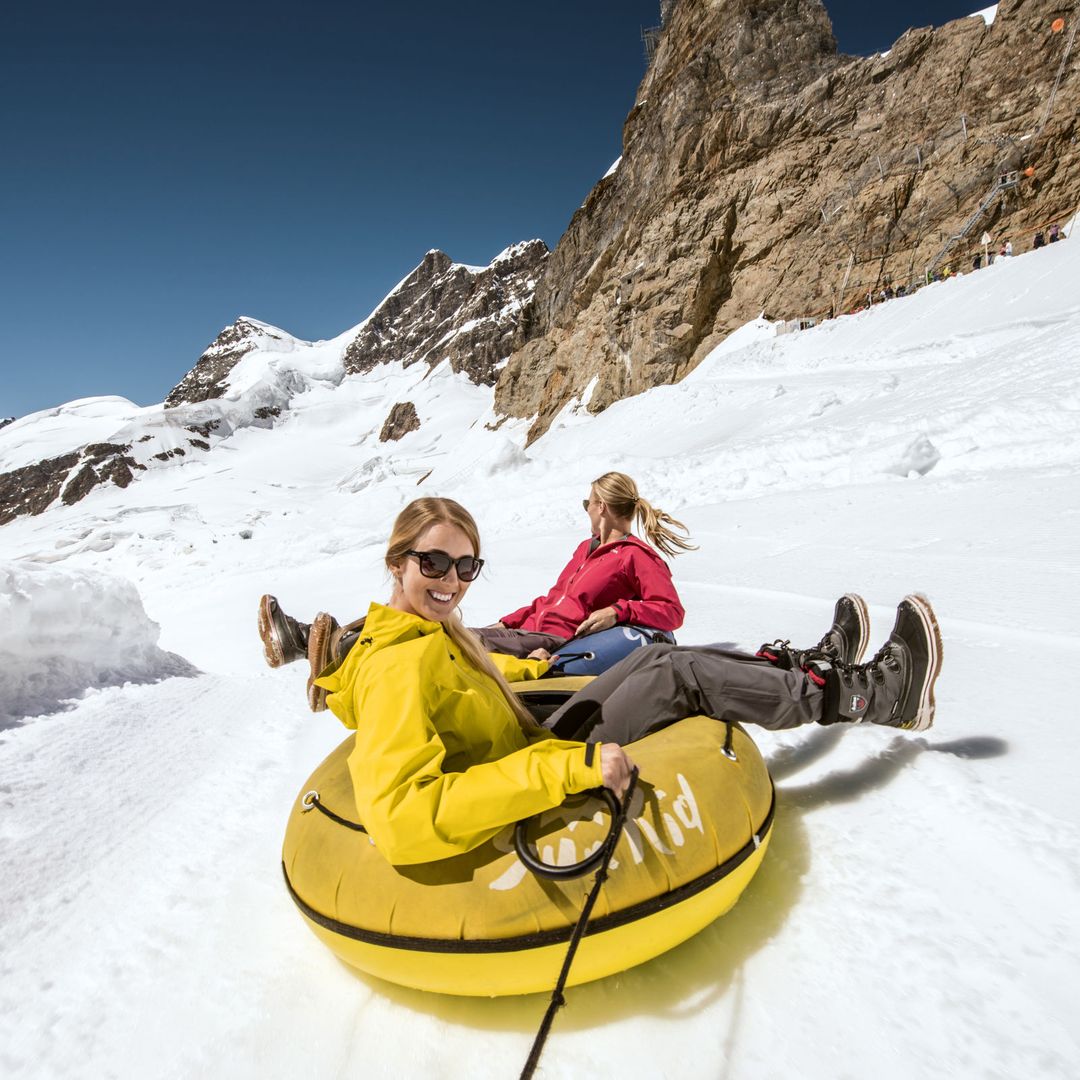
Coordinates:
x,y
414,811
515,619
658,603
514,669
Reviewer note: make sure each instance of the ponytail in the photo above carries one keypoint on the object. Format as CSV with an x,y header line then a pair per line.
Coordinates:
x,y
620,493
654,524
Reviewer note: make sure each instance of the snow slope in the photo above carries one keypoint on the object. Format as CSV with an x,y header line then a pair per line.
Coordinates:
x,y
915,916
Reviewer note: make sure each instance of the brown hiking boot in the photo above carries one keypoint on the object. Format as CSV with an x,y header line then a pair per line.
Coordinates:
x,y
323,635
284,639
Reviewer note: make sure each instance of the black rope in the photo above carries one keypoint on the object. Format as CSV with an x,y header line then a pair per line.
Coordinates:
x,y
558,1000
312,799
728,739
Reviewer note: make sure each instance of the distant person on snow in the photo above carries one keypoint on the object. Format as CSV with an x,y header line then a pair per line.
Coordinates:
x,y
612,578
976,263
1055,234
1038,242
445,754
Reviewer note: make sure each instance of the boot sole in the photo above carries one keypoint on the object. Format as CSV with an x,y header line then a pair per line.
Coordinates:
x,y
924,715
272,650
863,616
322,627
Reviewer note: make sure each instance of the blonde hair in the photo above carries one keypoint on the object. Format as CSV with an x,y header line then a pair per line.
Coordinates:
x,y
409,525
620,493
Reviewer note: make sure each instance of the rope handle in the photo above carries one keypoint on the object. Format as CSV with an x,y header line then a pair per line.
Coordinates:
x,y
558,1000
570,870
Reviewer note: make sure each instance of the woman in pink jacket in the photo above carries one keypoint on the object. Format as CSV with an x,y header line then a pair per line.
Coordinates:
x,y
613,577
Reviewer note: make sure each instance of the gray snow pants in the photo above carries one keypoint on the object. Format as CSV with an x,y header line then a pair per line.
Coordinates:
x,y
657,685
517,642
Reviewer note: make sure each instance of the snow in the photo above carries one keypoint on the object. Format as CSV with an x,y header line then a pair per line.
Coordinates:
x,y
614,168
988,15
915,915
52,432
64,633
513,251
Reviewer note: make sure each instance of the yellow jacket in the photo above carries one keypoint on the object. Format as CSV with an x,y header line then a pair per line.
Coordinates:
x,y
441,763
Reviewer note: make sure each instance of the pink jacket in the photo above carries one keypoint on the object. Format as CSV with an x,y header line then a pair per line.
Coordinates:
x,y
626,574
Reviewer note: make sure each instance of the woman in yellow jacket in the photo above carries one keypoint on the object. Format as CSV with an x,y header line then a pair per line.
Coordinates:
x,y
445,755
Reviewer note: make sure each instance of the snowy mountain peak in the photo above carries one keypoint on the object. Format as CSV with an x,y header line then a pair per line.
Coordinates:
x,y
473,317
466,319
208,378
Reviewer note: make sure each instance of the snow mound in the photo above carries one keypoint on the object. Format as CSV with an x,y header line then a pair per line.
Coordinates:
x,y
65,632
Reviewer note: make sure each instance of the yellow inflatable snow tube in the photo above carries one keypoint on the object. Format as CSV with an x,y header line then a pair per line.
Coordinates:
x,y
482,924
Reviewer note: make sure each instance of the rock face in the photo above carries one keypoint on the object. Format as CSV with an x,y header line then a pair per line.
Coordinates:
x,y
400,422
5,420
473,317
762,171
206,380
32,489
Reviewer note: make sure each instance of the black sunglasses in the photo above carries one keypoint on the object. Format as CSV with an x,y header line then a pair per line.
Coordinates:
x,y
436,564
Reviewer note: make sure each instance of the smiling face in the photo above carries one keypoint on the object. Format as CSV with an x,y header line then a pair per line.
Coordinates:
x,y
431,598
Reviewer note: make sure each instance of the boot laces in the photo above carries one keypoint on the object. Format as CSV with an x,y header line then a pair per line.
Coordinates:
x,y
874,669
827,646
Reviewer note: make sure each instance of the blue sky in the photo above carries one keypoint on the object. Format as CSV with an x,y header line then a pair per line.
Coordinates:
x,y
168,170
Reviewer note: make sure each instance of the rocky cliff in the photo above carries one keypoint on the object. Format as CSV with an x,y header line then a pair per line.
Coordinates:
x,y
475,317
762,171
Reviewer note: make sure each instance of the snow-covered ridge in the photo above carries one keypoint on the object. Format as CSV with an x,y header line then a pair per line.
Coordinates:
x,y
254,374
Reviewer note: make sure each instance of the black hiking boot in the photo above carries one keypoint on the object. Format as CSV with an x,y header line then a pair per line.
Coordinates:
x,y
844,642
284,639
896,688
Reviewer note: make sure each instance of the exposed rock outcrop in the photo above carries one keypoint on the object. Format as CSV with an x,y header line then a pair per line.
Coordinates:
x,y
400,422
475,317
207,379
762,171
32,489
4,421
